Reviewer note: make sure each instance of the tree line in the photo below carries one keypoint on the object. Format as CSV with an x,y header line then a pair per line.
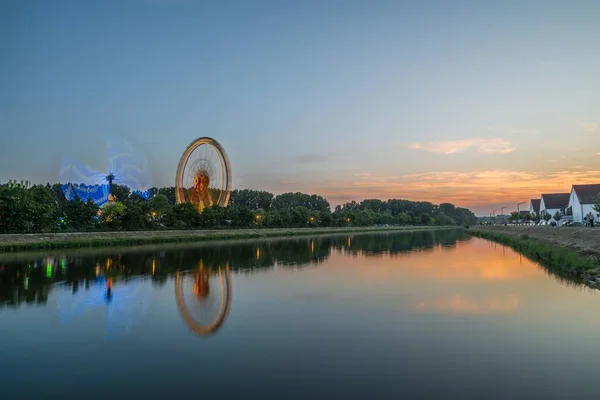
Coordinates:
x,y
44,208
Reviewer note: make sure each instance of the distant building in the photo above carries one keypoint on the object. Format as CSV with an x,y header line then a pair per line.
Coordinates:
x,y
552,202
581,201
534,206
23,184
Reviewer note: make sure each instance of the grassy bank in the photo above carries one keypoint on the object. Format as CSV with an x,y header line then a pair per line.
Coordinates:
x,y
11,243
567,261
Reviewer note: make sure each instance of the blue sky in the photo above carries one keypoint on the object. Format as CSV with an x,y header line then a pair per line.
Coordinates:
x,y
461,101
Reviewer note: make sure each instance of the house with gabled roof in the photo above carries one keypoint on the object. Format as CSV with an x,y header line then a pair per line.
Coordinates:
x,y
581,201
534,206
550,203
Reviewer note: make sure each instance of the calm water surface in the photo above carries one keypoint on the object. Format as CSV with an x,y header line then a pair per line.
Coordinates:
x,y
367,316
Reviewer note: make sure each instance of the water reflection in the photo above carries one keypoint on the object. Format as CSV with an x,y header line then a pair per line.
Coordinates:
x,y
460,304
450,316
124,307
205,307
29,278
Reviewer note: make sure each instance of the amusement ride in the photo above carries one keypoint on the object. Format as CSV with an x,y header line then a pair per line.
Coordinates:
x,y
203,295
204,175
204,179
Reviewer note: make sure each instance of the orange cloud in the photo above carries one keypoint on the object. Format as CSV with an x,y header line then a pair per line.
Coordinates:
x,y
482,145
471,189
462,305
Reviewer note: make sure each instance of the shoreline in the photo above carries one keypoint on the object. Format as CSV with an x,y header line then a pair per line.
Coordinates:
x,y
571,253
12,243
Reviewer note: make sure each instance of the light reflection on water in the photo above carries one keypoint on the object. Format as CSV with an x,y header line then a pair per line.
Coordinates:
x,y
385,315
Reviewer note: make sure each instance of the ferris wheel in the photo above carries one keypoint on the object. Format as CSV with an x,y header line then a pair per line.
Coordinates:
x,y
204,175
204,298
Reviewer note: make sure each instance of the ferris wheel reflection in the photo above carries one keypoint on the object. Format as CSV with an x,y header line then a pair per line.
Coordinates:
x,y
204,297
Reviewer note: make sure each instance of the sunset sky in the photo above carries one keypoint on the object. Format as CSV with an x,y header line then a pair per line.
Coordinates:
x,y
479,103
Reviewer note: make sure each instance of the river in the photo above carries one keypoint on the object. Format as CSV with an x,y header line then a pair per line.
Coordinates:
x,y
422,314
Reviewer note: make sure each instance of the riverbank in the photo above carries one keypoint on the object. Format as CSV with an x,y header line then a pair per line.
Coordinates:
x,y
572,253
17,242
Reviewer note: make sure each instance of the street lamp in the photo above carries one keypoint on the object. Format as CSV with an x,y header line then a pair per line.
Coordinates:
x,y
518,212
502,212
494,214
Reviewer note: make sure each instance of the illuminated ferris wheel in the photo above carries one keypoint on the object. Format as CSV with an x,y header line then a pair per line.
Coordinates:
x,y
204,175
204,298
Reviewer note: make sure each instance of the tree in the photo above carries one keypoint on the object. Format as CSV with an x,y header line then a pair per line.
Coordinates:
x,y
44,208
169,192
403,219
547,217
292,200
374,205
137,216
183,216
121,193
79,215
514,216
557,216
112,214
326,219
251,199
159,204
597,203
300,216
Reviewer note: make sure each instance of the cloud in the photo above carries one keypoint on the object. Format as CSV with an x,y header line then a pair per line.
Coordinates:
x,y
481,145
363,175
477,190
590,127
312,158
524,132
463,305
598,154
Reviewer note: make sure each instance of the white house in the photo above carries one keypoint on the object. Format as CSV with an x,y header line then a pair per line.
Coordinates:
x,y
553,202
534,206
581,202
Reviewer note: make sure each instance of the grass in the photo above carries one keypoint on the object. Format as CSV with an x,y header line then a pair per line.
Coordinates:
x,y
560,260
54,241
